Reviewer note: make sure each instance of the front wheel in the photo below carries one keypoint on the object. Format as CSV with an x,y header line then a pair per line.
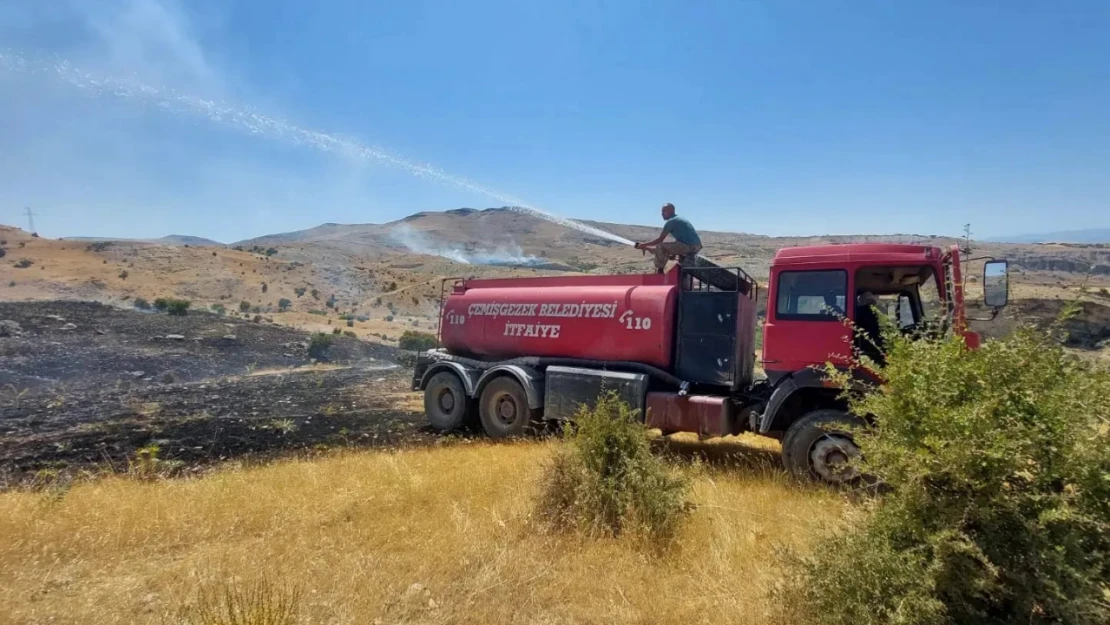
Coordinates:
x,y
503,409
819,446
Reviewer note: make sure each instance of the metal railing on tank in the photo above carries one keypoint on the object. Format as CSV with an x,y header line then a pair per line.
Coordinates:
x,y
707,276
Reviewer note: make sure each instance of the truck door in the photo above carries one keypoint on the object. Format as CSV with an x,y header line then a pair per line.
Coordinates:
x,y
804,327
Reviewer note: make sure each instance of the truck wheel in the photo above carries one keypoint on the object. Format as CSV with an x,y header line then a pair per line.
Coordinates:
x,y
504,409
819,446
445,402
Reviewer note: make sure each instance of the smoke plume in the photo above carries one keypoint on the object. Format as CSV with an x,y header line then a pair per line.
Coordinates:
x,y
504,254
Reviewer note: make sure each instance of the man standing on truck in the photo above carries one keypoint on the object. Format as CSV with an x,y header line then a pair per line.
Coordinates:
x,y
686,242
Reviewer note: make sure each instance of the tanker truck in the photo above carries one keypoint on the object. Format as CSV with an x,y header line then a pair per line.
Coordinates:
x,y
680,347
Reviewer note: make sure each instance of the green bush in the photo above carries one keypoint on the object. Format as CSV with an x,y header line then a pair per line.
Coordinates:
x,y
336,330
244,306
417,341
178,307
300,291
997,468
219,309
24,263
607,482
319,345
284,304
141,304
161,304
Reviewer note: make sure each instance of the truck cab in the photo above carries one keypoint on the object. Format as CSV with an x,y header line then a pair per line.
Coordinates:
x,y
821,309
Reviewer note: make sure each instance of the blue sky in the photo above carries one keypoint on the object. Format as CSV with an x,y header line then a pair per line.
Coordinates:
x,y
791,117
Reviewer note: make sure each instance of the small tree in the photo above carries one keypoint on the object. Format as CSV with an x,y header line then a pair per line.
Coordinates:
x,y
997,462
300,291
244,306
319,345
178,307
161,304
417,341
271,251
284,304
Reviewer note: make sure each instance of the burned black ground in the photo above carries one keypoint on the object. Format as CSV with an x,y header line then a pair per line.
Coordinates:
x,y
95,396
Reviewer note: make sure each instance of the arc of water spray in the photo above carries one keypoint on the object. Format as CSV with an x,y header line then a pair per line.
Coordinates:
x,y
246,120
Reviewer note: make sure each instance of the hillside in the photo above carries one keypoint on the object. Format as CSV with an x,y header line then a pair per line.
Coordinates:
x,y
388,276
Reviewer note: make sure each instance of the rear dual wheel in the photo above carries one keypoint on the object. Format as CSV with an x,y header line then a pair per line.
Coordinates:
x,y
445,402
503,409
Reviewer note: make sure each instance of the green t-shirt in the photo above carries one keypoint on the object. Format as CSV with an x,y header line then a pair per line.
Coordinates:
x,y
681,230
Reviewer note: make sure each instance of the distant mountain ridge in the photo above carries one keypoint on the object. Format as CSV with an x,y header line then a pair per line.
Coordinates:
x,y
172,239
1089,235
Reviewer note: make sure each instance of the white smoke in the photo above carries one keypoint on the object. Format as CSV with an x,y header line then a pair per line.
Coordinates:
x,y
420,243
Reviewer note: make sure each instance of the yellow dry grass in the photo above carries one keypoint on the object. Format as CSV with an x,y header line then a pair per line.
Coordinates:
x,y
356,531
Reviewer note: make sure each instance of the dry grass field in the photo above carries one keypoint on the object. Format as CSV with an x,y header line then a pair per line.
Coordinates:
x,y
439,535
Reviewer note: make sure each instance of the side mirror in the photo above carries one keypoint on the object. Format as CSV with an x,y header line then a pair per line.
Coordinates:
x,y
996,283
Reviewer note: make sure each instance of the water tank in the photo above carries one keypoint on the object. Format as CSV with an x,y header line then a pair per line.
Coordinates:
x,y
614,318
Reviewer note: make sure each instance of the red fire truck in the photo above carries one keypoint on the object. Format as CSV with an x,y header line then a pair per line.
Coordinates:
x,y
680,347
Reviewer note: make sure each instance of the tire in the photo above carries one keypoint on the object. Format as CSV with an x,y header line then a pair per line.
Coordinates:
x,y
503,409
445,402
816,446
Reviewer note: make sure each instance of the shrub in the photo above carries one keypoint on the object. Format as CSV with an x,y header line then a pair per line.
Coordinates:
x,y
336,330
315,294
319,344
265,287
98,246
284,304
24,263
389,317
300,291
607,482
161,304
3,252
418,341
123,274
322,313
219,309
257,319
998,467
244,306
261,603
350,323
178,307
141,304
271,251
350,334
